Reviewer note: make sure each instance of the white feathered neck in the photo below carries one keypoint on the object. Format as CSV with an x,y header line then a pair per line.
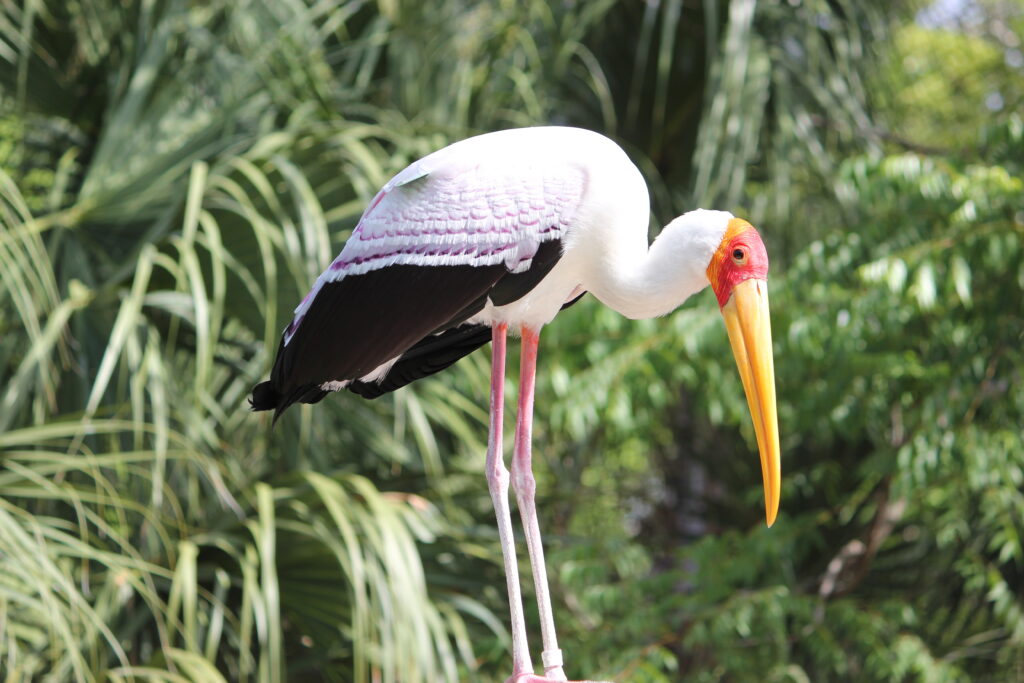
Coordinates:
x,y
645,282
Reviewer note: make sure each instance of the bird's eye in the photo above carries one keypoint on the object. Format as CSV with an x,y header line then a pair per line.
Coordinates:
x,y
739,256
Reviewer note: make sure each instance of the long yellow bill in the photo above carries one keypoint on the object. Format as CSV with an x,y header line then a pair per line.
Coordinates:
x,y
750,334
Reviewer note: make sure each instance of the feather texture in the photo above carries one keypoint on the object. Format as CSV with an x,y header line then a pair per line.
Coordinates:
x,y
454,209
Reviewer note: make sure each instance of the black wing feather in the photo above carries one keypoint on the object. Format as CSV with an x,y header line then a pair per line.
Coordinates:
x,y
431,355
359,322
443,349
428,356
416,313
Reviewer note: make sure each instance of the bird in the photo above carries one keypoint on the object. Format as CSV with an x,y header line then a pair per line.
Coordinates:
x,y
500,232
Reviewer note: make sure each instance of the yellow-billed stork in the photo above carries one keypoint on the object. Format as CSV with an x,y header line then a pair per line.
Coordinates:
x,y
506,229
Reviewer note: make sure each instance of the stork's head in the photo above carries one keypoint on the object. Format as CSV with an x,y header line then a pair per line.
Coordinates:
x,y
738,273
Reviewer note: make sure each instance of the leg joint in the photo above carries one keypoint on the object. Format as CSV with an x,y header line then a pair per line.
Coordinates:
x,y
497,476
523,480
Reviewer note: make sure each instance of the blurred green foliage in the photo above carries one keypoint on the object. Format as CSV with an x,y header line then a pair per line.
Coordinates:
x,y
937,85
173,175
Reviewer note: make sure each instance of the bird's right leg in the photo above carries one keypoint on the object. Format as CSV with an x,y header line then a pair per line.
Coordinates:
x,y
497,484
525,487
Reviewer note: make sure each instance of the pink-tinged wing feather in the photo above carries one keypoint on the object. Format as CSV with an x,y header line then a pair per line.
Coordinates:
x,y
447,210
459,207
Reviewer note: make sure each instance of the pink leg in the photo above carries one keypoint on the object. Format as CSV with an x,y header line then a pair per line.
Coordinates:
x,y
525,487
497,483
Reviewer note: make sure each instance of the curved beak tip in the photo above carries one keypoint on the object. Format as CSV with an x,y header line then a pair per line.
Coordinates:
x,y
771,513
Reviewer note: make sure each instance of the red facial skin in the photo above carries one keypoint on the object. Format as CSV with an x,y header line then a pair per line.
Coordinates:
x,y
741,256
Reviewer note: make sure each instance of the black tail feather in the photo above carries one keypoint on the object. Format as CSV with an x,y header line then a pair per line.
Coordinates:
x,y
430,355
266,397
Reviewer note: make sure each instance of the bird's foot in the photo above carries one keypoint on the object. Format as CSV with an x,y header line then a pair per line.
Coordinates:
x,y
553,672
534,678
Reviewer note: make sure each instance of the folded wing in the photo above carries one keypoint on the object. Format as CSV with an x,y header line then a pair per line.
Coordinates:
x,y
439,240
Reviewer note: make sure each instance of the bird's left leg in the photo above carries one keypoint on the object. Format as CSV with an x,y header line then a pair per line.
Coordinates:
x,y
497,483
525,487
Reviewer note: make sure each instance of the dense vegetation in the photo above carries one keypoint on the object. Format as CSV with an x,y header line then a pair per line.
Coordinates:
x,y
173,175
